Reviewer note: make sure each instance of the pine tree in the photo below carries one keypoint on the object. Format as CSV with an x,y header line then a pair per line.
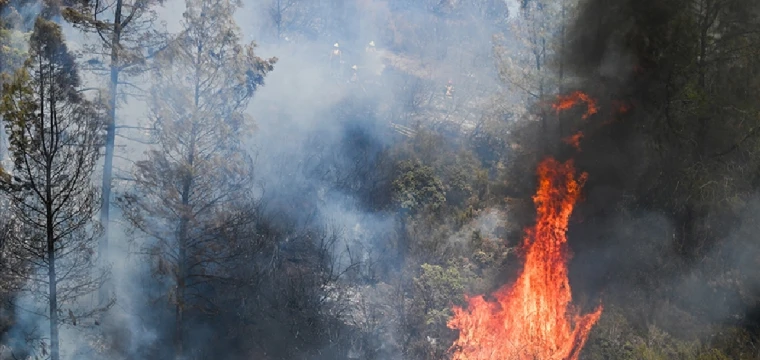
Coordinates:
x,y
189,183
55,137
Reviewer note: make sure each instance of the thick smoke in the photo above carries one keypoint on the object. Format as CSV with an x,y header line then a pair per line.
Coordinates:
x,y
647,238
319,148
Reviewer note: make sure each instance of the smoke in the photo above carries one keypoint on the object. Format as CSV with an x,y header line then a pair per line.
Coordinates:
x,y
630,242
320,148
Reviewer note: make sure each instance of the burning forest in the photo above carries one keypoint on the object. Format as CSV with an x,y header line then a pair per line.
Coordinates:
x,y
532,318
380,180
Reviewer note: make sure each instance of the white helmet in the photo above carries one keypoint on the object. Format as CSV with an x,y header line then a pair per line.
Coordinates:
x,y
372,43
335,45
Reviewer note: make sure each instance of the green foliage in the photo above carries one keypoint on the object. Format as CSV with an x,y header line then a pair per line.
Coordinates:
x,y
487,253
678,350
611,338
734,343
55,137
433,172
13,52
417,188
18,102
435,290
48,77
14,37
438,288
466,182
13,48
614,338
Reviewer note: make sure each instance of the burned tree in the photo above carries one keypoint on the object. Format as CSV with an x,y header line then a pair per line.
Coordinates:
x,y
55,137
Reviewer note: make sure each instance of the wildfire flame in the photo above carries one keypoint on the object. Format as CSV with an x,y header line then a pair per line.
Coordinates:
x,y
533,318
565,102
574,140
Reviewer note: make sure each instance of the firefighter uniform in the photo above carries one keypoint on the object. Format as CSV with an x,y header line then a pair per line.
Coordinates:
x,y
354,73
336,60
449,89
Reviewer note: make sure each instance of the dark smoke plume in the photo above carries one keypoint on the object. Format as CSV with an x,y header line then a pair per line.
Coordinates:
x,y
656,225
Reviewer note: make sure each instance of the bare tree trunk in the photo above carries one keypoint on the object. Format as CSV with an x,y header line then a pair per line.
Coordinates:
x,y
52,287
181,270
184,221
105,204
50,237
179,311
181,262
182,234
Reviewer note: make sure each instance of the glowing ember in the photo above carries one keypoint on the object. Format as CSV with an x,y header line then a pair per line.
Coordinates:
x,y
565,102
574,140
621,107
533,318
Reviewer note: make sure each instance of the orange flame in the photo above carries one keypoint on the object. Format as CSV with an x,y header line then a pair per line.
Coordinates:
x,y
533,318
565,102
574,140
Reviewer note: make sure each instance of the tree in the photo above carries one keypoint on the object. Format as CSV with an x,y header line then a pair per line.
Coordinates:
x,y
128,38
435,290
711,83
12,40
682,150
277,13
14,37
692,67
55,137
528,58
187,188
417,188
290,18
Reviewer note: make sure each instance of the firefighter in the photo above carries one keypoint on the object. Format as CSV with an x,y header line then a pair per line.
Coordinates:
x,y
336,52
354,80
449,89
354,73
336,60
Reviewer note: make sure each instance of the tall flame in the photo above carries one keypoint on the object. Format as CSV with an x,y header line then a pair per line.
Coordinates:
x,y
533,318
